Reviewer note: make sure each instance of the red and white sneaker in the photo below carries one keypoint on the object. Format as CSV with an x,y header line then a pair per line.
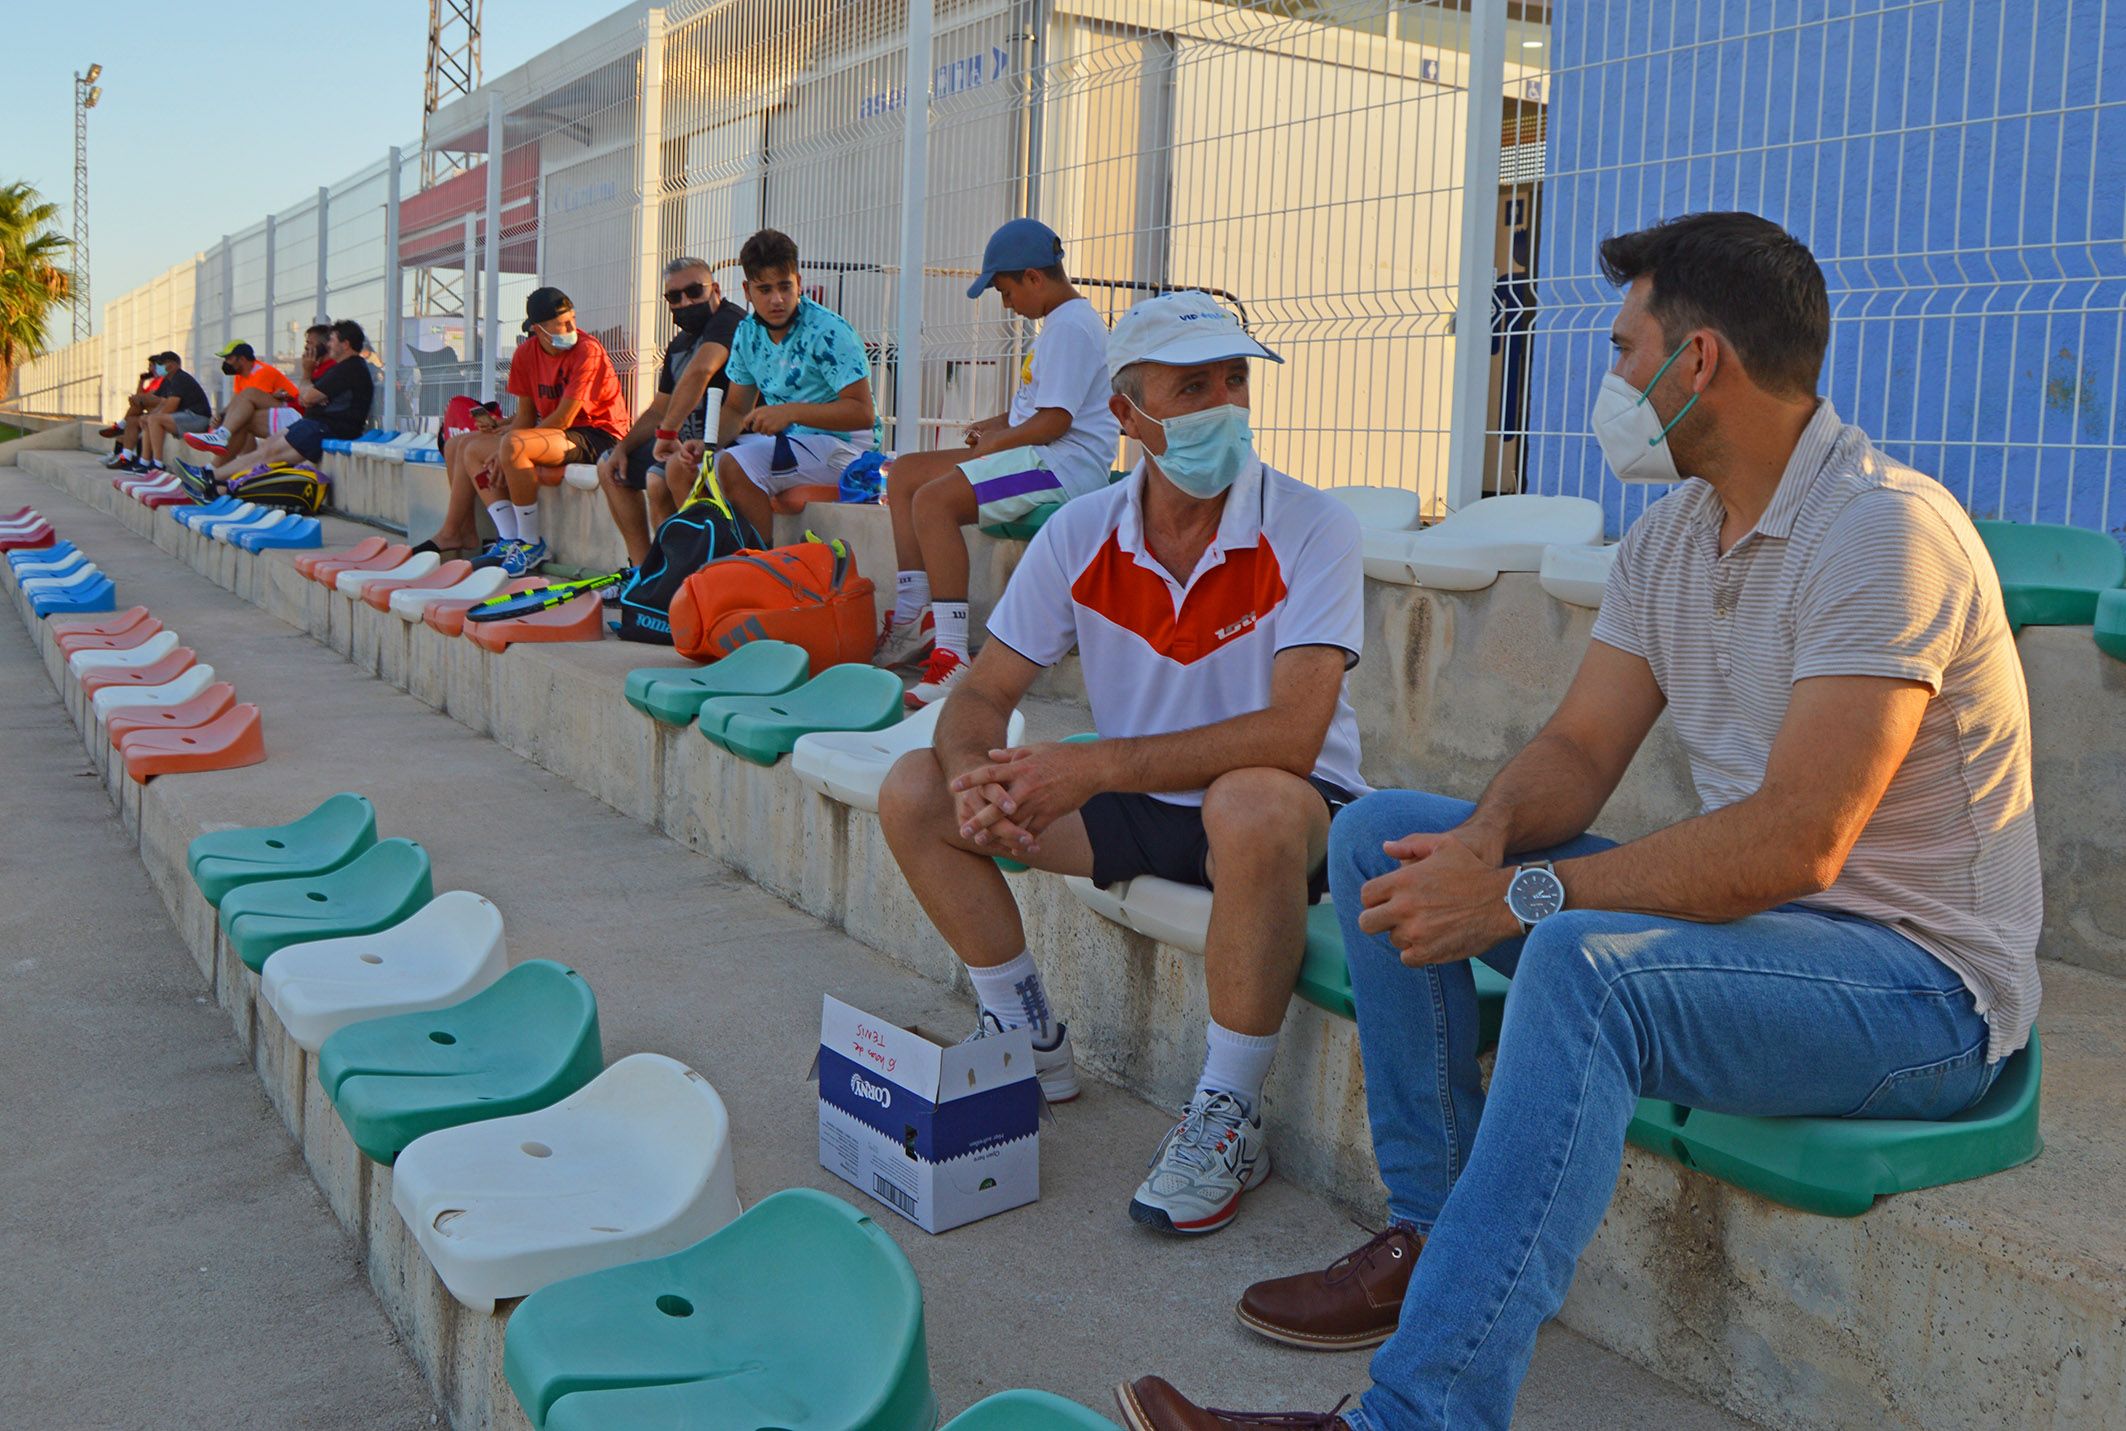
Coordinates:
x,y
110,429
905,645
214,440
945,670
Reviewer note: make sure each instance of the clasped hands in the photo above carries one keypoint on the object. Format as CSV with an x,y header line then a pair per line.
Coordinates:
x,y
1445,901
1004,806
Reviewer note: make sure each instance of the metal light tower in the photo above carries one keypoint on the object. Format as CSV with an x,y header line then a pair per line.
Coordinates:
x,y
453,69
86,93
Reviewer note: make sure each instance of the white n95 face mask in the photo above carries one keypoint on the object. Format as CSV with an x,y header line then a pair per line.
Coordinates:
x,y
1633,438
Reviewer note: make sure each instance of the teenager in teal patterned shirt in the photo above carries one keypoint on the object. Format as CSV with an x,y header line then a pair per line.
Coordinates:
x,y
799,409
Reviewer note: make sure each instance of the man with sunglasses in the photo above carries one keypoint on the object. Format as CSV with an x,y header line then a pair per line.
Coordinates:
x,y
693,363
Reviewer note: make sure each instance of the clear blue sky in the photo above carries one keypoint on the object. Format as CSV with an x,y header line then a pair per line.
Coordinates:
x,y
199,134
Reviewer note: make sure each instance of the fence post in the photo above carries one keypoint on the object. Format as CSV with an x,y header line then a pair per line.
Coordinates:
x,y
492,341
269,338
649,212
228,311
324,297
1485,114
469,304
393,305
915,193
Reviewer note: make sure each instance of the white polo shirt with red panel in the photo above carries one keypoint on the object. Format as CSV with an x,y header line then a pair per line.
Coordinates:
x,y
1161,655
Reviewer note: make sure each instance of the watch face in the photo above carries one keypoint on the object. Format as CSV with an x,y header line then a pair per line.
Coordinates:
x,y
1535,894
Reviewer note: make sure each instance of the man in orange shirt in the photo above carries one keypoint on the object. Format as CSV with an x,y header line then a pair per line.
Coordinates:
x,y
262,403
569,410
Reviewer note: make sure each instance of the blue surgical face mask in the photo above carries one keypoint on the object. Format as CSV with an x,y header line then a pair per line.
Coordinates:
x,y
158,370
563,341
1205,451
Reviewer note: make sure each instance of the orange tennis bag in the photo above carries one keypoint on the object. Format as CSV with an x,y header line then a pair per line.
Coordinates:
x,y
809,595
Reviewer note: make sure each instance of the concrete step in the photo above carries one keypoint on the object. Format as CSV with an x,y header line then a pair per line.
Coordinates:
x,y
1981,1304
694,962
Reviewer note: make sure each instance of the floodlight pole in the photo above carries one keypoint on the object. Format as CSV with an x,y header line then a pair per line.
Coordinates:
x,y
86,93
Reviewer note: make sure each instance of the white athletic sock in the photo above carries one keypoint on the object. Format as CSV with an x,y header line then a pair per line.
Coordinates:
x,y
528,523
911,593
504,517
1014,993
126,453
1236,1063
951,618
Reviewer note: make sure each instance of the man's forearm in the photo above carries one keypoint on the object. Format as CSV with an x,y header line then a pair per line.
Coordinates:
x,y
841,415
1046,426
1192,759
1547,794
968,728
1743,859
639,432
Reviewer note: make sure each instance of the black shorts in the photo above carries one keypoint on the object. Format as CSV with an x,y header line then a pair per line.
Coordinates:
x,y
1134,834
307,436
588,444
636,475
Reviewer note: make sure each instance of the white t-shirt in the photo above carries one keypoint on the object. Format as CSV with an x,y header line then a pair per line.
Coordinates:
x,y
1070,372
1161,655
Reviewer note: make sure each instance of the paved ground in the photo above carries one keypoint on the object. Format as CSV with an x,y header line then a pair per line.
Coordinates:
x,y
166,1259
687,960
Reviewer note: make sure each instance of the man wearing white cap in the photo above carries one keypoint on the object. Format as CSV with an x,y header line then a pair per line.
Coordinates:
x,y
1215,605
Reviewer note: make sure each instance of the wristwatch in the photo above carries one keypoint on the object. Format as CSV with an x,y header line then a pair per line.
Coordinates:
x,y
1535,893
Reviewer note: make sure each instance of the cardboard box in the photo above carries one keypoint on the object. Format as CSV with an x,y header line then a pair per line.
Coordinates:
x,y
942,1134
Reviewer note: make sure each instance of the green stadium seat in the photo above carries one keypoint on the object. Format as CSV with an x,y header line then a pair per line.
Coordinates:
x,y
377,889
2052,575
763,728
673,694
524,1042
1028,1411
1325,977
1837,1167
321,841
2111,624
802,1315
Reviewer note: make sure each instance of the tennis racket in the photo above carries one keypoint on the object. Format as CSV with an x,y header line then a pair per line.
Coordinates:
x,y
539,598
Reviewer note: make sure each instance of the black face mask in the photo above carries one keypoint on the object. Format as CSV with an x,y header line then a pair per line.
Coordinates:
x,y
229,368
694,316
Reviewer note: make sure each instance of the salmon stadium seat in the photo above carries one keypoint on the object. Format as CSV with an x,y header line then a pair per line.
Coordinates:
x,y
235,737
185,715
580,618
448,617
361,551
378,593
327,572
351,581
29,539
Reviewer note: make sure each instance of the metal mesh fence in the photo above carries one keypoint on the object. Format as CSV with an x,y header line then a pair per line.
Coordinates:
x,y
1323,167
1944,161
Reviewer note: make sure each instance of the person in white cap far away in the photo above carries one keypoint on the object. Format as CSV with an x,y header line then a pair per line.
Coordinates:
x,y
1215,605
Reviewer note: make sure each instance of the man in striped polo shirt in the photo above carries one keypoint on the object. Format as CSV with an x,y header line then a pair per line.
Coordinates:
x,y
1215,605
1847,927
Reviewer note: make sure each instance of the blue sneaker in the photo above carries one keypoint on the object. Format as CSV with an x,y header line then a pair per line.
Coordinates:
x,y
492,553
199,481
523,558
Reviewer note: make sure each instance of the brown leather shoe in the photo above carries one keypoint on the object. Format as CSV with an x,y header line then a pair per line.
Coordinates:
x,y
1150,1404
1353,1304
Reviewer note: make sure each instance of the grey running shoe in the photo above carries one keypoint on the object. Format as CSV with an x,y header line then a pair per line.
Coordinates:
x,y
1213,1155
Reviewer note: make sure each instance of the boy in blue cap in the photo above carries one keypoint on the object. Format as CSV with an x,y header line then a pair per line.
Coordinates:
x,y
1056,442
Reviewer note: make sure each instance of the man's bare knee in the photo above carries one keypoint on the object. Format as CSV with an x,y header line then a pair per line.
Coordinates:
x,y
912,793
1259,809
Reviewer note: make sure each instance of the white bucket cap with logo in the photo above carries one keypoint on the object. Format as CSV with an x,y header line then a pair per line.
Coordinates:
x,y
1180,330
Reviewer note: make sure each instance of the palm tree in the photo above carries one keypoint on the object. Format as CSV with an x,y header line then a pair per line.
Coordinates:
x,y
32,282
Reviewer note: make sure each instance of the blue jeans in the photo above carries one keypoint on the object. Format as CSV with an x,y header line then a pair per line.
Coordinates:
x,y
1794,1011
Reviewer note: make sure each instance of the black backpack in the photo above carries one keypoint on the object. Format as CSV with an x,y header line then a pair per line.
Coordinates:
x,y
283,485
702,531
